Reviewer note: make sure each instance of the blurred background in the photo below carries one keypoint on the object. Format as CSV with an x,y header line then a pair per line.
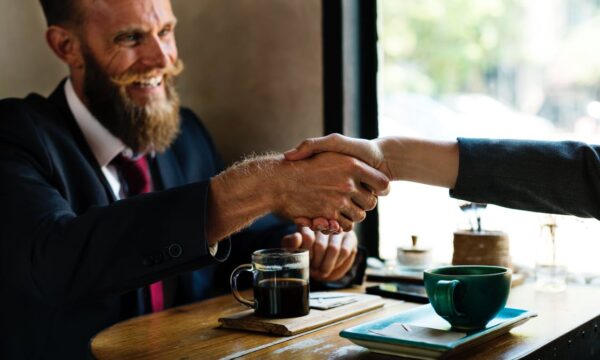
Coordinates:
x,y
495,68
446,68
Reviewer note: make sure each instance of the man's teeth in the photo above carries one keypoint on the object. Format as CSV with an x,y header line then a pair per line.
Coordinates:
x,y
151,82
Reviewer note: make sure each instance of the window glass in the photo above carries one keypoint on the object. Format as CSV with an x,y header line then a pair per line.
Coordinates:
x,y
501,69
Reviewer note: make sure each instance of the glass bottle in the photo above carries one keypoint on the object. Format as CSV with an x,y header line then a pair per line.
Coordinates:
x,y
550,270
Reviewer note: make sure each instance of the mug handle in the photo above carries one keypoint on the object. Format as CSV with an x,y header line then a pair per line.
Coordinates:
x,y
233,282
444,297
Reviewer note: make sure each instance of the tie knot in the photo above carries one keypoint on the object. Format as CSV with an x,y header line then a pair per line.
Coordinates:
x,y
136,174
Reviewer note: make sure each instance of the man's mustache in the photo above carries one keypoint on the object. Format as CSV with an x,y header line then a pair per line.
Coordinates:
x,y
131,77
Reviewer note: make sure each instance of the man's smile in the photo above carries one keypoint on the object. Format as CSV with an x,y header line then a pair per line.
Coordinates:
x,y
149,82
143,88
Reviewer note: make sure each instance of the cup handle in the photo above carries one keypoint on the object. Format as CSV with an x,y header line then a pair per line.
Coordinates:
x,y
233,282
444,297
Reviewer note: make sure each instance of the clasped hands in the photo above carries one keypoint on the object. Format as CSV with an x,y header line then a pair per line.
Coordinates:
x,y
366,152
331,243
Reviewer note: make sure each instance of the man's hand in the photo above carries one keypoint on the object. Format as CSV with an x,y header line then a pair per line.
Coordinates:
x,y
368,151
399,158
328,185
365,150
331,256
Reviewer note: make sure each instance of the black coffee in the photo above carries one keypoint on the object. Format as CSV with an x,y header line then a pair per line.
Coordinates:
x,y
281,298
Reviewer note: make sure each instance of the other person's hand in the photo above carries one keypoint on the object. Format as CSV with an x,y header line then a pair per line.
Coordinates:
x,y
369,151
328,185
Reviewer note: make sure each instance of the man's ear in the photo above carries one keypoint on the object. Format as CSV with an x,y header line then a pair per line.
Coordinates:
x,y
66,45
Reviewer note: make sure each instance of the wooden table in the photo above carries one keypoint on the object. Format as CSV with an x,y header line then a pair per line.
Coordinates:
x,y
566,327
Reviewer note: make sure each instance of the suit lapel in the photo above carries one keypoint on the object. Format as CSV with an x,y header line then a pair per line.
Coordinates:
x,y
59,102
167,171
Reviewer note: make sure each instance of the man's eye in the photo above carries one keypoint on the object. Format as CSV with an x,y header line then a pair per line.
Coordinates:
x,y
129,39
164,32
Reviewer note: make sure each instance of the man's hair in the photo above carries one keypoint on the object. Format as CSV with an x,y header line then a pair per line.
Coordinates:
x,y
62,12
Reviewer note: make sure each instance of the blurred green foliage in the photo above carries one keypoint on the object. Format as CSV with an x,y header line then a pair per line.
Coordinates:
x,y
439,46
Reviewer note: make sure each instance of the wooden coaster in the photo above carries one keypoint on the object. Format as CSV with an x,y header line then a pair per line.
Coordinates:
x,y
247,320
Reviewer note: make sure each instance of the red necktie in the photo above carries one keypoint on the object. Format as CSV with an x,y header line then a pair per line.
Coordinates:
x,y
136,174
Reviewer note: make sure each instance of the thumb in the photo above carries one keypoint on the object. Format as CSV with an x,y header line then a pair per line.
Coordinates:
x,y
299,153
313,146
292,241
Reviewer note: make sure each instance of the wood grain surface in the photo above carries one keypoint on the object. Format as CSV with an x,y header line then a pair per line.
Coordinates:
x,y
192,331
247,320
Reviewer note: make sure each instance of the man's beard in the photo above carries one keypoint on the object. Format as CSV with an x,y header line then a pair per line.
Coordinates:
x,y
149,127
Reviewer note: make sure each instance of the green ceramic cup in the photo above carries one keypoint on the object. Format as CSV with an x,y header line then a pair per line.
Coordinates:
x,y
468,296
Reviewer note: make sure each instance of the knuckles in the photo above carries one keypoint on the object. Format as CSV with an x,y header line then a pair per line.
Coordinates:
x,y
385,185
361,216
345,253
371,203
347,186
336,137
334,248
319,246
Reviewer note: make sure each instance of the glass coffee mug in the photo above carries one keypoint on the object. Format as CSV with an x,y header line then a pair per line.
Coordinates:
x,y
280,281
468,296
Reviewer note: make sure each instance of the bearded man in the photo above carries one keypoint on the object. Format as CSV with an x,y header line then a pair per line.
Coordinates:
x,y
109,186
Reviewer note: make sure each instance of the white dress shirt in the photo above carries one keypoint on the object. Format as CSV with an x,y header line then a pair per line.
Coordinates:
x,y
104,145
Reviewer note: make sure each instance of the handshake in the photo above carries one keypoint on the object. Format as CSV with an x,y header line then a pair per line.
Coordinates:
x,y
353,172
325,185
357,168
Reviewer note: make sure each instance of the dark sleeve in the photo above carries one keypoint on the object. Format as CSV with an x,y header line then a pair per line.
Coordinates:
x,y
542,176
58,255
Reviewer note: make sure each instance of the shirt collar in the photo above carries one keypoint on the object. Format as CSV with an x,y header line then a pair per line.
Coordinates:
x,y
104,145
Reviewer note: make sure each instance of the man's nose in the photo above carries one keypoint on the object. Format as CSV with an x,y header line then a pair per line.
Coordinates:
x,y
155,53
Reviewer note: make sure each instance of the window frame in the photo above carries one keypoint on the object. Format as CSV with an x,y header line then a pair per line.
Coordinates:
x,y
350,65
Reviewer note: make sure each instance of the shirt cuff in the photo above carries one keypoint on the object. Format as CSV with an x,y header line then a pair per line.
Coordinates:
x,y
212,249
220,253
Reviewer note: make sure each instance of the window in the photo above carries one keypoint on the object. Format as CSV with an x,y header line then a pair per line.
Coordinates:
x,y
502,69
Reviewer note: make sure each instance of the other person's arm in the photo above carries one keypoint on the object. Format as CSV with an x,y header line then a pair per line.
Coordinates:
x,y
559,177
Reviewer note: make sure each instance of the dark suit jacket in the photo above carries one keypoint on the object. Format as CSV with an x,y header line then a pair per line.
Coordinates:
x,y
561,177
70,254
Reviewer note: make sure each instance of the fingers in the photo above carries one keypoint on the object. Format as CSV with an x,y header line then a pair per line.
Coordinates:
x,y
368,151
374,179
341,270
365,199
346,223
325,226
308,241
292,241
330,186
351,214
320,224
334,226
331,255
309,147
319,249
338,259
303,222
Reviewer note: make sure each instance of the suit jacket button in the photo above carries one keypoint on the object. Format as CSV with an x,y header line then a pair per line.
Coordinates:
x,y
175,250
